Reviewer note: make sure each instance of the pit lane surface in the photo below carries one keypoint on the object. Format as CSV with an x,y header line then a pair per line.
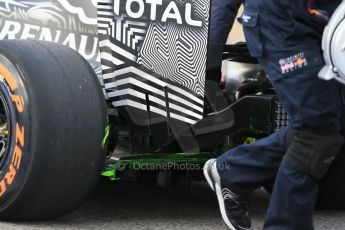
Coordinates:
x,y
127,206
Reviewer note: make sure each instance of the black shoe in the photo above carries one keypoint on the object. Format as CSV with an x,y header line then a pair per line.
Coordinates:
x,y
233,210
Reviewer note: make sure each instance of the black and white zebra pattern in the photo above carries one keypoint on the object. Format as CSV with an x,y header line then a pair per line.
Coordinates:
x,y
179,52
130,32
128,81
127,84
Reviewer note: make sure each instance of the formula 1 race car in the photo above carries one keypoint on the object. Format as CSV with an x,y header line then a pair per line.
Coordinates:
x,y
134,94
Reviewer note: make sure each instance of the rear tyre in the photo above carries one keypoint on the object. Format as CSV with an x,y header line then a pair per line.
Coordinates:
x,y
52,122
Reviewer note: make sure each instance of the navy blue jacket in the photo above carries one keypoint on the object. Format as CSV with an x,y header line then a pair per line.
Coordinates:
x,y
224,12
223,15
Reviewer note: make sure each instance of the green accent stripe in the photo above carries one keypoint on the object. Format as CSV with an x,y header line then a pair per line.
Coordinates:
x,y
106,136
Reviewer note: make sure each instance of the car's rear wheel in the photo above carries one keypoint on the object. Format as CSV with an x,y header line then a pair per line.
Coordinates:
x,y
52,122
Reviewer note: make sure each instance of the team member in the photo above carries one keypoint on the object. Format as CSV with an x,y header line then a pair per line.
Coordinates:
x,y
285,36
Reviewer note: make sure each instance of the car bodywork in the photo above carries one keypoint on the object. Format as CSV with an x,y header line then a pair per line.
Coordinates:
x,y
164,116
150,58
68,22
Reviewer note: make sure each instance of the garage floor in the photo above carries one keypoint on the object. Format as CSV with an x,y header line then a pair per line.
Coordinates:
x,y
127,206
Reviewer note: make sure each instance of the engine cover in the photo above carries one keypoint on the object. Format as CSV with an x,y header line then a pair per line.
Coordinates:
x,y
333,46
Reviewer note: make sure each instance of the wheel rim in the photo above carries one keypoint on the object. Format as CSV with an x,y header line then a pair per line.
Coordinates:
x,y
5,126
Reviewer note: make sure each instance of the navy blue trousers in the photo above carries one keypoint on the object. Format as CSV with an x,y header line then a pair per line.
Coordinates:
x,y
286,39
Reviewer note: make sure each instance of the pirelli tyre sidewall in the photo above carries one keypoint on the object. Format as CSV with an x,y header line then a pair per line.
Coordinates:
x,y
16,161
56,126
